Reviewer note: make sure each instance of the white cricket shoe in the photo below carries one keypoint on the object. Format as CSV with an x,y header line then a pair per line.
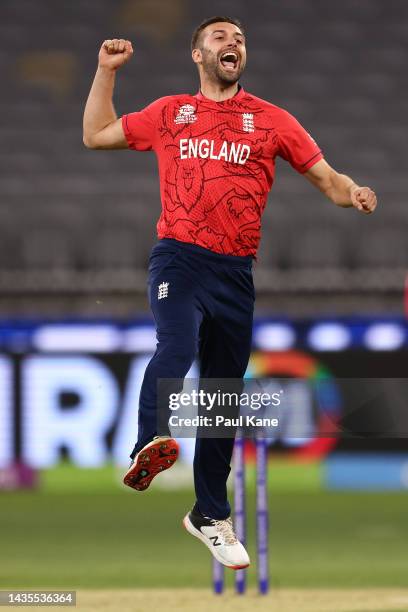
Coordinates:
x,y
219,537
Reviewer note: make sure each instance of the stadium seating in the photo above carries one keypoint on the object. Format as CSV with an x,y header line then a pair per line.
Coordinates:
x,y
338,67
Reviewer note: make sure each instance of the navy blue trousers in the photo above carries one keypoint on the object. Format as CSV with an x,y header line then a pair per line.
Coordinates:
x,y
205,306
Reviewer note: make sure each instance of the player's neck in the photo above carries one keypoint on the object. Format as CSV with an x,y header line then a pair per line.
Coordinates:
x,y
216,91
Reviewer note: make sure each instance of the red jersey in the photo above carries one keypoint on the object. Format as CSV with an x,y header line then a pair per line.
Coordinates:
x,y
217,164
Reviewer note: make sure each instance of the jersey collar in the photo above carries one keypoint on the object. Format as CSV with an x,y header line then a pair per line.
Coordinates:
x,y
240,94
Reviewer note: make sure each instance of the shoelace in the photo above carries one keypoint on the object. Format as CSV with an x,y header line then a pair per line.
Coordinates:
x,y
226,529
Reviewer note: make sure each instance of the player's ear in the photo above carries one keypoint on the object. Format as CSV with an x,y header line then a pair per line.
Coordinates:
x,y
197,56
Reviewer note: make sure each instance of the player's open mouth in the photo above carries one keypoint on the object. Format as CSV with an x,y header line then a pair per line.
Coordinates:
x,y
229,60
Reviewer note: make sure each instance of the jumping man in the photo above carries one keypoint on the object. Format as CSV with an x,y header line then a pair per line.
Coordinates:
x,y
216,151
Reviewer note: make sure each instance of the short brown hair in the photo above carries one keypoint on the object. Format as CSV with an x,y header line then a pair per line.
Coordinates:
x,y
217,19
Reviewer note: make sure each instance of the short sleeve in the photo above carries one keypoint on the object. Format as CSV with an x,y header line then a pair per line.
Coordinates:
x,y
296,145
140,127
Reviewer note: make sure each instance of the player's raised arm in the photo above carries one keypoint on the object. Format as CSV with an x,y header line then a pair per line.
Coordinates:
x,y
340,188
101,127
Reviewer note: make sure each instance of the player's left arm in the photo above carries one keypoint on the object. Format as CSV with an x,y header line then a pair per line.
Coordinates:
x,y
341,189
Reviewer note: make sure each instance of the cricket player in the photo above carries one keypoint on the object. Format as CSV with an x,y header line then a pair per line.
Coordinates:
x,y
216,153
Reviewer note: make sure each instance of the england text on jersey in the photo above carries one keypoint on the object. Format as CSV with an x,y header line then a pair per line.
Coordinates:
x,y
232,152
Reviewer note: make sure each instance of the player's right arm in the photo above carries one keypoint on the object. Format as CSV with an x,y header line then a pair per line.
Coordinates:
x,y
101,127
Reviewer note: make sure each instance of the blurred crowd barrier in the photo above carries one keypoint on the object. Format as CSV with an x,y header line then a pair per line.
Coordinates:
x,y
70,389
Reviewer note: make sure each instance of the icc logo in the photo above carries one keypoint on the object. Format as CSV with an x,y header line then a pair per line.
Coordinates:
x,y
186,114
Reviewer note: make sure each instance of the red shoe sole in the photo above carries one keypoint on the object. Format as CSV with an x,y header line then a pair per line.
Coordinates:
x,y
151,461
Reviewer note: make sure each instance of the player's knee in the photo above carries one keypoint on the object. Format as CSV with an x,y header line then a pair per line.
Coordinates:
x,y
178,351
183,355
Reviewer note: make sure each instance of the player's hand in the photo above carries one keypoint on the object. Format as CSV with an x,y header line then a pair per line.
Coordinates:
x,y
364,199
114,53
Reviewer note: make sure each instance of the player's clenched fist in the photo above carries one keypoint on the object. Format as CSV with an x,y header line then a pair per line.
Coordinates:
x,y
114,53
364,199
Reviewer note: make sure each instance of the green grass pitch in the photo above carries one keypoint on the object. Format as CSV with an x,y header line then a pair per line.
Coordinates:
x,y
83,530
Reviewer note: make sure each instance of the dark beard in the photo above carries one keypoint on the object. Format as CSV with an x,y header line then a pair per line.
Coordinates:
x,y
212,68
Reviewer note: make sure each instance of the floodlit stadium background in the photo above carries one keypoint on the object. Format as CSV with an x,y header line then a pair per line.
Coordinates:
x,y
76,228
